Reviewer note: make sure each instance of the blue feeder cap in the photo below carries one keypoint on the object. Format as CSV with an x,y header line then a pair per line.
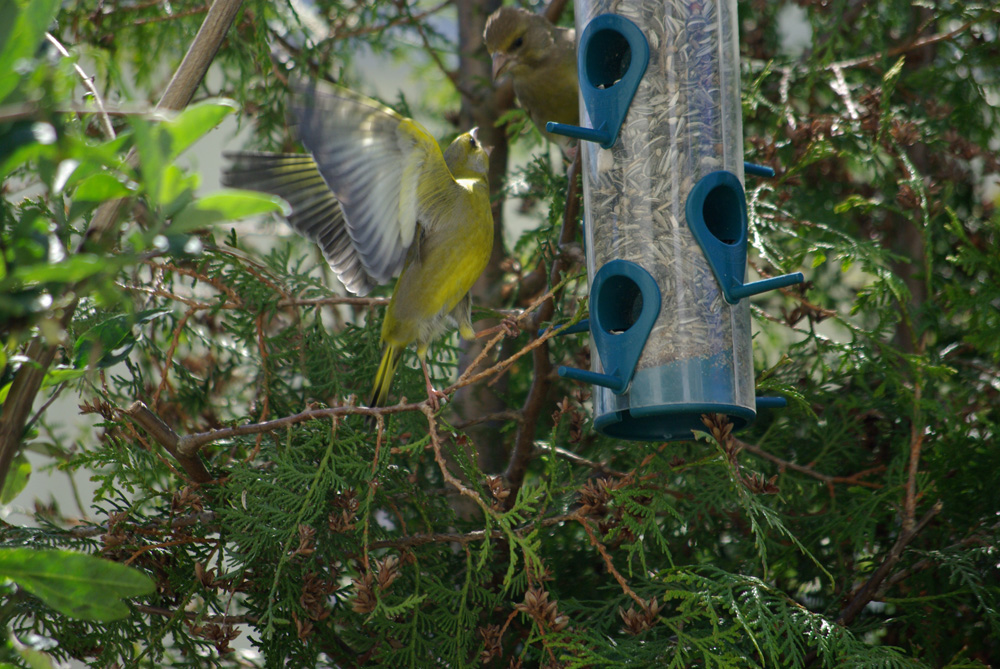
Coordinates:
x,y
624,305
716,211
611,59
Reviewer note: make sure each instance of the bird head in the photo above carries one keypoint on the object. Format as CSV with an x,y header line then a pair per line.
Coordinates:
x,y
466,157
517,39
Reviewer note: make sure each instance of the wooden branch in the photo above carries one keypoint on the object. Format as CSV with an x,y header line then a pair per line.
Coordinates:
x,y
867,591
166,437
853,479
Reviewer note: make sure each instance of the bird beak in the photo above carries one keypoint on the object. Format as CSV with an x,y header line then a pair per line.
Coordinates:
x,y
500,63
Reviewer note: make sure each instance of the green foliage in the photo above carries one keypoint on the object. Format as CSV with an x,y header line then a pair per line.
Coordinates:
x,y
76,584
855,528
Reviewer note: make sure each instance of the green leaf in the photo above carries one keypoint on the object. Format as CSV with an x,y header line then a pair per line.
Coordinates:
x,y
101,187
17,478
22,28
113,338
76,584
194,122
227,205
76,268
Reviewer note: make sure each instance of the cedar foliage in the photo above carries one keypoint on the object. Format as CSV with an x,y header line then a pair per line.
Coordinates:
x,y
855,528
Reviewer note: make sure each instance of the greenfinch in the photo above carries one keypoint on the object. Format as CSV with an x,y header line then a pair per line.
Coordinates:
x,y
541,61
380,198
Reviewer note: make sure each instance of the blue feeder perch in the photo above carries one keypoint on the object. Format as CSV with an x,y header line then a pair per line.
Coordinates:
x,y
665,215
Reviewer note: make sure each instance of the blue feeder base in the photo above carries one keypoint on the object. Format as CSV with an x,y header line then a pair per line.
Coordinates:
x,y
666,403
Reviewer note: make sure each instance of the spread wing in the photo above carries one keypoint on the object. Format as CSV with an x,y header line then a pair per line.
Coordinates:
x,y
316,214
381,166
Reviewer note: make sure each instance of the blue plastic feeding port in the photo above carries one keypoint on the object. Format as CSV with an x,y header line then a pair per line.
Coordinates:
x,y
716,211
624,304
611,59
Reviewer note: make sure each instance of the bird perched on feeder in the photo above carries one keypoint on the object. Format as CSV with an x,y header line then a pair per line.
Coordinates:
x,y
541,61
380,198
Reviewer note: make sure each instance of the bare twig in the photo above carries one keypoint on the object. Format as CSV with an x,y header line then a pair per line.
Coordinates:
x,y
608,562
853,479
88,83
867,591
195,615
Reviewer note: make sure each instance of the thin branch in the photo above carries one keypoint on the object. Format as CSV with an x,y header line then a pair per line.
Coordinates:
x,y
204,517
867,591
432,52
404,18
88,83
194,615
900,50
575,459
916,443
167,438
853,479
443,466
608,562
465,538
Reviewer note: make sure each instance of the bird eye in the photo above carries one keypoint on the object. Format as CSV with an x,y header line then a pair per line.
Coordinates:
x,y
517,43
472,142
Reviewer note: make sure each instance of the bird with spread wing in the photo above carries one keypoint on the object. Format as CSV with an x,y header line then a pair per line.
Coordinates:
x,y
381,199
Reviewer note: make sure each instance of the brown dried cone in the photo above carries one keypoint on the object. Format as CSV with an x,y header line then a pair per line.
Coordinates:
x,y
637,622
491,643
537,605
364,598
388,571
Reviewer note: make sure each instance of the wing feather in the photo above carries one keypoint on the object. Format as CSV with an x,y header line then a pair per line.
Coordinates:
x,y
316,214
377,163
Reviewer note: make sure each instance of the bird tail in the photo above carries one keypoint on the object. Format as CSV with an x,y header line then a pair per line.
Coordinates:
x,y
383,377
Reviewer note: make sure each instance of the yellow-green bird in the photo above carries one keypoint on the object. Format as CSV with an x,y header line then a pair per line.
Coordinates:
x,y
380,198
541,61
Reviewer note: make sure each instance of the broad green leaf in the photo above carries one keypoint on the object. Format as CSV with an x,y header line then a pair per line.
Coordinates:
x,y
100,187
22,28
194,122
17,478
176,190
113,337
153,146
227,205
71,270
60,375
76,584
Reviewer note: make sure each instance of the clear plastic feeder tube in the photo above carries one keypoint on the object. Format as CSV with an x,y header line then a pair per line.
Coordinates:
x,y
684,122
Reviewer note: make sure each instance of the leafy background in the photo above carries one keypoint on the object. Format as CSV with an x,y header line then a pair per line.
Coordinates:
x,y
857,527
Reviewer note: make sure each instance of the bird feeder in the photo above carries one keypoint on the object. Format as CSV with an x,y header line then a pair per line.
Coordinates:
x,y
665,216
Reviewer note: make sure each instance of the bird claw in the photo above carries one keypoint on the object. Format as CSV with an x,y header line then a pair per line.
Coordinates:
x,y
510,327
435,397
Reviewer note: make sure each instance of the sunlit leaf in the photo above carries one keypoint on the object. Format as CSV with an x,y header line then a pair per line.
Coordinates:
x,y
76,584
17,479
